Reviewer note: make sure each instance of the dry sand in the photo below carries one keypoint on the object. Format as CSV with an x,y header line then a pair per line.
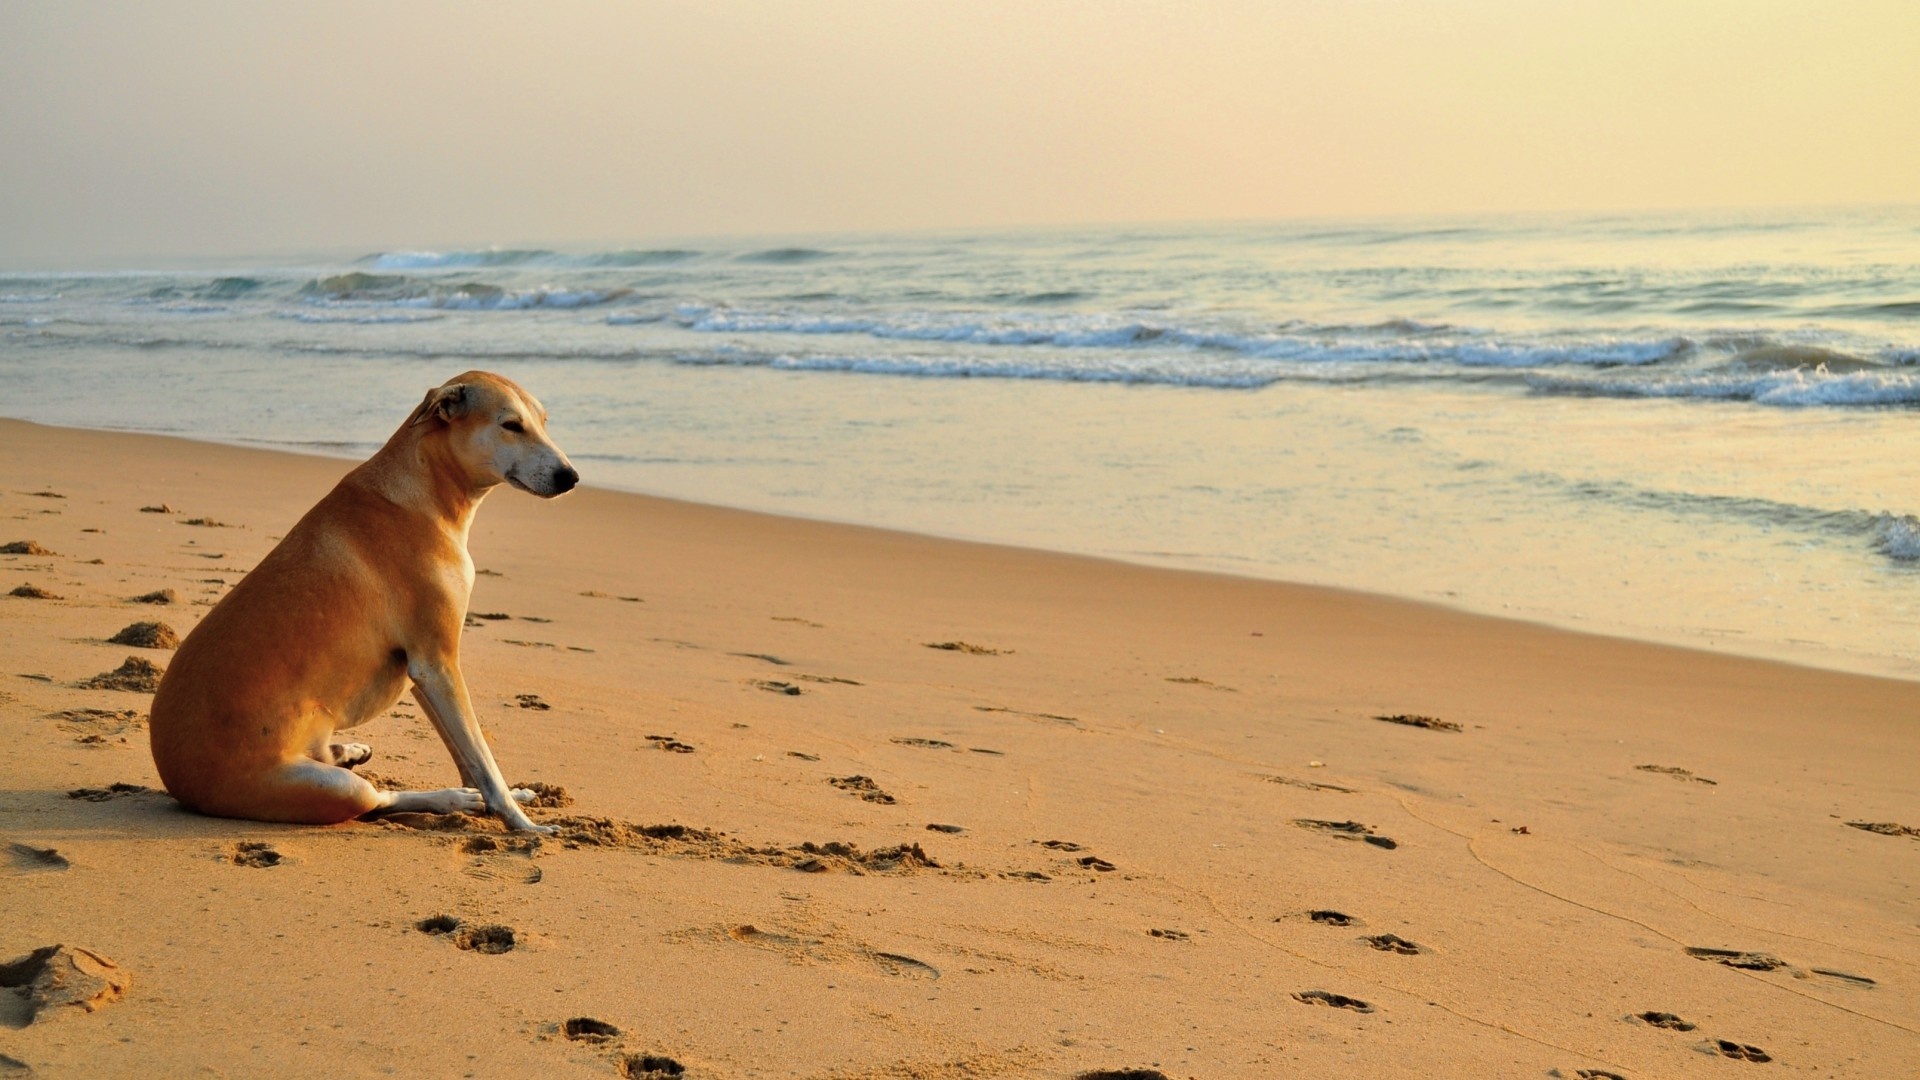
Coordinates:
x,y
1132,760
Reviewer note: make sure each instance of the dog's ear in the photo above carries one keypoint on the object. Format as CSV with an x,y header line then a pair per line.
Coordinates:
x,y
443,403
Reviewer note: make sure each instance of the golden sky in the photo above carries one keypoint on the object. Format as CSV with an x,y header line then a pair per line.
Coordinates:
x,y
137,127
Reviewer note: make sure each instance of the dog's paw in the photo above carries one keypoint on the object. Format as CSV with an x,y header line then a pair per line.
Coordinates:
x,y
523,795
348,755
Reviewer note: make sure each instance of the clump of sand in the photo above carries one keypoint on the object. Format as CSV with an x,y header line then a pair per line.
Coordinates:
x,y
147,635
547,795
138,675
54,976
35,592
23,547
158,596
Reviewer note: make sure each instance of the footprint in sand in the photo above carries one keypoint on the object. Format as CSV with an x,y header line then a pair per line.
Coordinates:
x,y
486,865
1061,845
650,1067
1095,862
255,853
803,755
1393,943
670,744
946,828
1170,935
111,791
1122,1074
531,701
1597,1074
1337,1001
864,787
97,727
1347,830
1329,917
775,686
1664,1020
490,940
587,1029
1739,1051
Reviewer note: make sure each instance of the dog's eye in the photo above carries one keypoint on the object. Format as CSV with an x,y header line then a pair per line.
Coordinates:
x,y
514,425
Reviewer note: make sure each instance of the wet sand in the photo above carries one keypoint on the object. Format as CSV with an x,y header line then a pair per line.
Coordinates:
x,y
1173,832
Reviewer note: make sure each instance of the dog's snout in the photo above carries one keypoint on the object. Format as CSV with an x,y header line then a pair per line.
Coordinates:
x,y
564,479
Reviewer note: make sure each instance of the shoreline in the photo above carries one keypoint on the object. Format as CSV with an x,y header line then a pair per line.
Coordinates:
x,y
1154,791
1698,640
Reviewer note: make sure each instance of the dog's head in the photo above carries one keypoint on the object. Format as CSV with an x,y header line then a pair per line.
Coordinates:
x,y
498,433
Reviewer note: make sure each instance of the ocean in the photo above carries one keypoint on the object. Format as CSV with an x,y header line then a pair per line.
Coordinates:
x,y
1691,428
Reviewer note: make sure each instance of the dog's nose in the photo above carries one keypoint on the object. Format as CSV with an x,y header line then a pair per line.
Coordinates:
x,y
564,478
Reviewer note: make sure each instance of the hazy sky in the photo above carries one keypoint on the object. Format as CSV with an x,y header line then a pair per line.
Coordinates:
x,y
148,127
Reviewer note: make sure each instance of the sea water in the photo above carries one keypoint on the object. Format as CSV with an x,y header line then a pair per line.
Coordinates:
x,y
1696,429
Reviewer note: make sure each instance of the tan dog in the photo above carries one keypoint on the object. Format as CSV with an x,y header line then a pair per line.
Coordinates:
x,y
366,594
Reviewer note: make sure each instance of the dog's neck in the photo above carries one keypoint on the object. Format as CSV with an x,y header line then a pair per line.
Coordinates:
x,y
419,472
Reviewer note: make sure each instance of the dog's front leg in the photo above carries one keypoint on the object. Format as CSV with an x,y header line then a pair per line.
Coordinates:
x,y
442,693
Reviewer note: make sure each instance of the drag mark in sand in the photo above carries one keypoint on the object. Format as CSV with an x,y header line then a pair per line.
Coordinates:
x,y
799,948
1393,943
26,859
1676,772
966,647
1056,717
1347,830
1414,720
689,842
1885,828
1310,785
1336,1001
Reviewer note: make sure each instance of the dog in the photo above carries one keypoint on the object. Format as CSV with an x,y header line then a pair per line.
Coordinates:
x,y
364,597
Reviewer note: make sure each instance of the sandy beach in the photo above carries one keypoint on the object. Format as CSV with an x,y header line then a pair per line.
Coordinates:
x,y
848,803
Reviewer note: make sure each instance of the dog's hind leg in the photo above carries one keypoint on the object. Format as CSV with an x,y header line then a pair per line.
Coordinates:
x,y
309,792
302,791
